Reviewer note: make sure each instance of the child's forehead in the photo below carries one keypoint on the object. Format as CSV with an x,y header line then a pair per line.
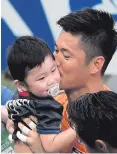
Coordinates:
x,y
44,67
48,63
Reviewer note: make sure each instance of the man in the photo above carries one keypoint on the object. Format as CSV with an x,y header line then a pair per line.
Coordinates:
x,y
96,114
83,51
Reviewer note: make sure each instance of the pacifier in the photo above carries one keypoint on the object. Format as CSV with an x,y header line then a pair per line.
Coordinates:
x,y
54,90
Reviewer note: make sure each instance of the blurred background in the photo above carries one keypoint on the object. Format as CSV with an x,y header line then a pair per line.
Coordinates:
x,y
38,18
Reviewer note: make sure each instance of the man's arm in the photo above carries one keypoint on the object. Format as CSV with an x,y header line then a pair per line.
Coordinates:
x,y
4,114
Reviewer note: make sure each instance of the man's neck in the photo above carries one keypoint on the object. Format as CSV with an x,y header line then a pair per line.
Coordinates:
x,y
91,87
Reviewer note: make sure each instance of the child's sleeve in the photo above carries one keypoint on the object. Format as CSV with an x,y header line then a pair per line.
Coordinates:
x,y
47,110
49,114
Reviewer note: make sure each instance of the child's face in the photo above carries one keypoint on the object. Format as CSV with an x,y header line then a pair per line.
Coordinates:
x,y
41,78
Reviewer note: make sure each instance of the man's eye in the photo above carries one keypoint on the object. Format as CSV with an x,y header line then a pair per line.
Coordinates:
x,y
56,51
66,57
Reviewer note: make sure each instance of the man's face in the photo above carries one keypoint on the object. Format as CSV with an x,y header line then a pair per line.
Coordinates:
x,y
70,59
41,78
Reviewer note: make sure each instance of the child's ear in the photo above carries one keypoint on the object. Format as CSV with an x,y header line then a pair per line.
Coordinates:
x,y
20,85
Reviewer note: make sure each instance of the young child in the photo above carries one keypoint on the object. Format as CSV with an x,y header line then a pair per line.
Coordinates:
x,y
33,68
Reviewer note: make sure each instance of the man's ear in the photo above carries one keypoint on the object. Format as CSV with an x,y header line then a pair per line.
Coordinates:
x,y
20,85
96,64
101,146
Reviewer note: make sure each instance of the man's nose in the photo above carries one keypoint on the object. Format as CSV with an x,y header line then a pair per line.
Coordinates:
x,y
57,59
57,63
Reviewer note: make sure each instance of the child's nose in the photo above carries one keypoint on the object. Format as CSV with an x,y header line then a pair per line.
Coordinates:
x,y
51,82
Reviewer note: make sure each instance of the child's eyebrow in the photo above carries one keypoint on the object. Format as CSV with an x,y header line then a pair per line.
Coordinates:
x,y
39,75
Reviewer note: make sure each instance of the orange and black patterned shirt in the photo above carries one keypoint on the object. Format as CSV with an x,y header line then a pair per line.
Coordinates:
x,y
76,146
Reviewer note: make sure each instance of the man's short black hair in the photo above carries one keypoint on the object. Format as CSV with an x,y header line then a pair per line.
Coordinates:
x,y
95,117
25,53
96,31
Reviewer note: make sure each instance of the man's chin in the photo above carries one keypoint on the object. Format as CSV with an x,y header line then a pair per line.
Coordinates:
x,y
61,87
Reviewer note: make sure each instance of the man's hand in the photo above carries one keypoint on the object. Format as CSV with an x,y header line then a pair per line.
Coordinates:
x,y
30,136
4,114
10,126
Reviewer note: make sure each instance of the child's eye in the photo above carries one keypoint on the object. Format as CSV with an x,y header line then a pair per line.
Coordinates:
x,y
42,78
54,70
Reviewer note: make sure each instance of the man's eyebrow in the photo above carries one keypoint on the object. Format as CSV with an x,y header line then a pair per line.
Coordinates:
x,y
62,49
55,44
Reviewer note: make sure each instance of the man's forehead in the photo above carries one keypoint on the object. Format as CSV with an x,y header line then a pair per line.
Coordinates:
x,y
67,38
68,44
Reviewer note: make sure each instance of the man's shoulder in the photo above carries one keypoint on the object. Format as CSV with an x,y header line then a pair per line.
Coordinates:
x,y
61,98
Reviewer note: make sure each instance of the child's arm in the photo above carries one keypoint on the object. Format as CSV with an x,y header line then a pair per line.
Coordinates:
x,y
57,142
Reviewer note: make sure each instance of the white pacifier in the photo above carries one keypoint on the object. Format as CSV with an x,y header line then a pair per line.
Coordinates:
x,y
54,90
